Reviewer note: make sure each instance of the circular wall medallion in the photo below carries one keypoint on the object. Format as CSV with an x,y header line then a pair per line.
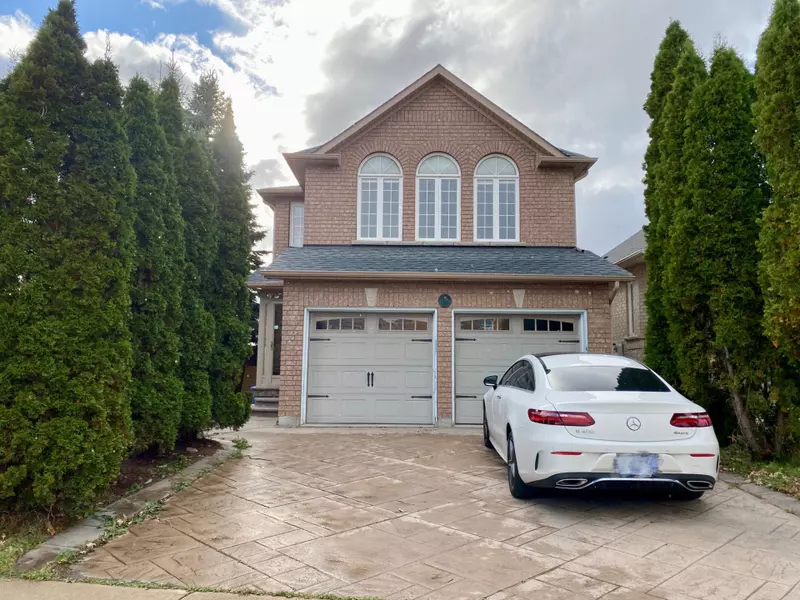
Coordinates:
x,y
445,301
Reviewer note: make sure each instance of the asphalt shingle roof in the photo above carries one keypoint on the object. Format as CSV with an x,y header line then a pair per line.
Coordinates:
x,y
256,278
634,244
472,260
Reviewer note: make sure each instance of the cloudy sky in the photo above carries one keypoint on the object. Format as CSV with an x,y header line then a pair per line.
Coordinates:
x,y
300,71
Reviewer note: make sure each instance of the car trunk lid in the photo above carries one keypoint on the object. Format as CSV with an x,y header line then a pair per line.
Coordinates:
x,y
625,416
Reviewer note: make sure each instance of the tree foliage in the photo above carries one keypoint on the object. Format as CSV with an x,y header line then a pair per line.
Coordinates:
x,y
65,182
777,116
157,390
658,351
196,192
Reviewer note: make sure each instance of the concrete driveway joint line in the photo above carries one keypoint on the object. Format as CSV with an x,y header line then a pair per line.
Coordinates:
x,y
406,514
91,529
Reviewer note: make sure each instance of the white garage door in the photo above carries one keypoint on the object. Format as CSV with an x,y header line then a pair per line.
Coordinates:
x,y
370,368
489,344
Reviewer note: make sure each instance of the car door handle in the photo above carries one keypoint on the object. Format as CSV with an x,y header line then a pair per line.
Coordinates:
x,y
499,397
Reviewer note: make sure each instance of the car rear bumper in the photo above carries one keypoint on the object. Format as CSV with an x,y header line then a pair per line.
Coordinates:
x,y
659,481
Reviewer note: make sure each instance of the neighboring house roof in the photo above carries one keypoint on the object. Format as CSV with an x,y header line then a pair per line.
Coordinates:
x,y
443,262
256,280
551,155
629,252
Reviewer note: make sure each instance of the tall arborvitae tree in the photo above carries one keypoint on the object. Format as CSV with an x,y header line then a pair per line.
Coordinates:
x,y
231,300
658,352
65,354
197,193
685,321
777,116
207,106
157,390
714,259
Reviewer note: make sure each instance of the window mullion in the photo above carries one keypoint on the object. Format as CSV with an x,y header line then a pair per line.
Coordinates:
x,y
379,211
437,209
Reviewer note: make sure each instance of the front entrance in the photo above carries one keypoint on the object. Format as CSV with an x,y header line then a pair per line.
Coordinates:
x,y
487,344
370,368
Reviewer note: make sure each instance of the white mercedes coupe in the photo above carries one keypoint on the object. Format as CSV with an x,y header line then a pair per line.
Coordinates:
x,y
575,421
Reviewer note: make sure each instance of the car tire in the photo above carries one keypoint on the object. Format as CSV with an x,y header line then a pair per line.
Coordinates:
x,y
486,441
517,487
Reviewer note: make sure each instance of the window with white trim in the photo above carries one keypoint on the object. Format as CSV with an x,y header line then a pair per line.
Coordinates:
x,y
497,200
297,224
438,198
380,193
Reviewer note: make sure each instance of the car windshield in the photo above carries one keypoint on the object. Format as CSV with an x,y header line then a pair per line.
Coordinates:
x,y
604,379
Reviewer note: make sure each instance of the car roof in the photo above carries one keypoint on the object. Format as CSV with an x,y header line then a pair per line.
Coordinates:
x,y
553,360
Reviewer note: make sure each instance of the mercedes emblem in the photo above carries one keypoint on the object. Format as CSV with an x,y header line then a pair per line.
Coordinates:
x,y
633,424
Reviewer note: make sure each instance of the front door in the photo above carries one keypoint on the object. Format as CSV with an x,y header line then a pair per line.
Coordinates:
x,y
277,328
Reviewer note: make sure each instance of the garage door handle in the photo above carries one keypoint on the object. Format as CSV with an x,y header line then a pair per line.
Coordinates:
x,y
466,339
421,339
319,339
317,396
465,396
568,341
422,396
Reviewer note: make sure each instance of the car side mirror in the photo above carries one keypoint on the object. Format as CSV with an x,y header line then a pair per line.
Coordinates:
x,y
490,381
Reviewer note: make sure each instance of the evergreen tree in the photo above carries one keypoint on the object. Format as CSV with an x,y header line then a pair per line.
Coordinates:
x,y
658,351
714,260
157,390
197,192
65,357
777,116
207,106
685,322
231,299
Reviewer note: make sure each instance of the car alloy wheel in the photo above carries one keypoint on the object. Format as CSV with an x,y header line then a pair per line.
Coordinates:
x,y
512,464
486,440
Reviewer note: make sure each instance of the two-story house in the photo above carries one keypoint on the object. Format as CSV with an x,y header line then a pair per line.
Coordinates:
x,y
426,246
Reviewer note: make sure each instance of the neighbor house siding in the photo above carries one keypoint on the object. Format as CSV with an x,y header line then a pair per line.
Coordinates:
x,y
299,295
439,119
625,342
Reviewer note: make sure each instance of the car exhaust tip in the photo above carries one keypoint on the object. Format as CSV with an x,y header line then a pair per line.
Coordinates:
x,y
571,483
699,485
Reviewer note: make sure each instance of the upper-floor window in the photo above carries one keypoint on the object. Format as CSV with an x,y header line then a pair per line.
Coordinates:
x,y
297,218
380,193
497,200
438,198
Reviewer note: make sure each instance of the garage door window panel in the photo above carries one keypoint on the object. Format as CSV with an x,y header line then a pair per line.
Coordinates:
x,y
341,324
402,324
547,325
486,324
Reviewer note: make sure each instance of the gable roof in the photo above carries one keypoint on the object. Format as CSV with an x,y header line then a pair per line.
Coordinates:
x,y
325,153
629,251
415,263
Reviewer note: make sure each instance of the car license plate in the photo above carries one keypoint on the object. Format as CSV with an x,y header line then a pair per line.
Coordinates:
x,y
636,465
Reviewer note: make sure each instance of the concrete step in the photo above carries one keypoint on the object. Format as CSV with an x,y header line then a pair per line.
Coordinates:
x,y
265,403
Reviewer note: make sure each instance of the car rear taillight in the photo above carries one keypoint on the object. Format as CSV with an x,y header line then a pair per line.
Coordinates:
x,y
554,417
690,420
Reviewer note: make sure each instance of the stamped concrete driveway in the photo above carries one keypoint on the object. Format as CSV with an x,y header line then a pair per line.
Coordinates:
x,y
402,514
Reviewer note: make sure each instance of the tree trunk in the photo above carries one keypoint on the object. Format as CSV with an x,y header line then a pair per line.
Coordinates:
x,y
740,410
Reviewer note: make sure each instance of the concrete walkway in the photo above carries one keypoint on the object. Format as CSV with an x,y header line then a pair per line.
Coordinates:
x,y
56,590
407,514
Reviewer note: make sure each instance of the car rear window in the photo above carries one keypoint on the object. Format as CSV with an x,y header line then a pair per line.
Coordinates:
x,y
604,379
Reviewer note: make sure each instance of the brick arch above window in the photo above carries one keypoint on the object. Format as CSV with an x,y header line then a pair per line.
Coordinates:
x,y
524,157
356,155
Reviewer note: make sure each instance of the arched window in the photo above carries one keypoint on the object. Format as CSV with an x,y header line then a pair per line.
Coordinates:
x,y
497,200
438,199
380,196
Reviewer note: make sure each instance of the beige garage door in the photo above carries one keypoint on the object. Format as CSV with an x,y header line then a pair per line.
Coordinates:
x,y
371,368
489,344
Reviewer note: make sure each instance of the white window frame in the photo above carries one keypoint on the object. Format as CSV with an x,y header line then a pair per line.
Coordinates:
x,y
438,200
380,178
293,242
495,202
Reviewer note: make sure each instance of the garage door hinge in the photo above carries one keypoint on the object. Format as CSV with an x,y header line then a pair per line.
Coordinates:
x,y
421,339
568,341
318,396
422,396
466,340
319,339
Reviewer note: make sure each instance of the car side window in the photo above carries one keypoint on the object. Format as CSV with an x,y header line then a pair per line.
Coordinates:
x,y
526,379
508,380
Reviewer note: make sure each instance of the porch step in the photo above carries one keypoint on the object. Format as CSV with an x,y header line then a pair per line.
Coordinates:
x,y
265,403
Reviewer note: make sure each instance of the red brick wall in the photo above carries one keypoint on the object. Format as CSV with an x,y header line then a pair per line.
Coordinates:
x,y
280,233
440,119
299,295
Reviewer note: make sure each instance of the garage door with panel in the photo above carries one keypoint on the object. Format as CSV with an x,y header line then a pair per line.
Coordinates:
x,y
370,368
489,344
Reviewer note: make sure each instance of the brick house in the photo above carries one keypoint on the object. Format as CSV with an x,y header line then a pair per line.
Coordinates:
x,y
428,245
628,311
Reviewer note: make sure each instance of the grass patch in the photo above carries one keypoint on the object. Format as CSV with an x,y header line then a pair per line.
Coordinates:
x,y
778,476
20,533
241,444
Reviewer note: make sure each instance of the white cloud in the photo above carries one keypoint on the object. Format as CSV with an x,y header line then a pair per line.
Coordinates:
x,y
154,4
16,32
